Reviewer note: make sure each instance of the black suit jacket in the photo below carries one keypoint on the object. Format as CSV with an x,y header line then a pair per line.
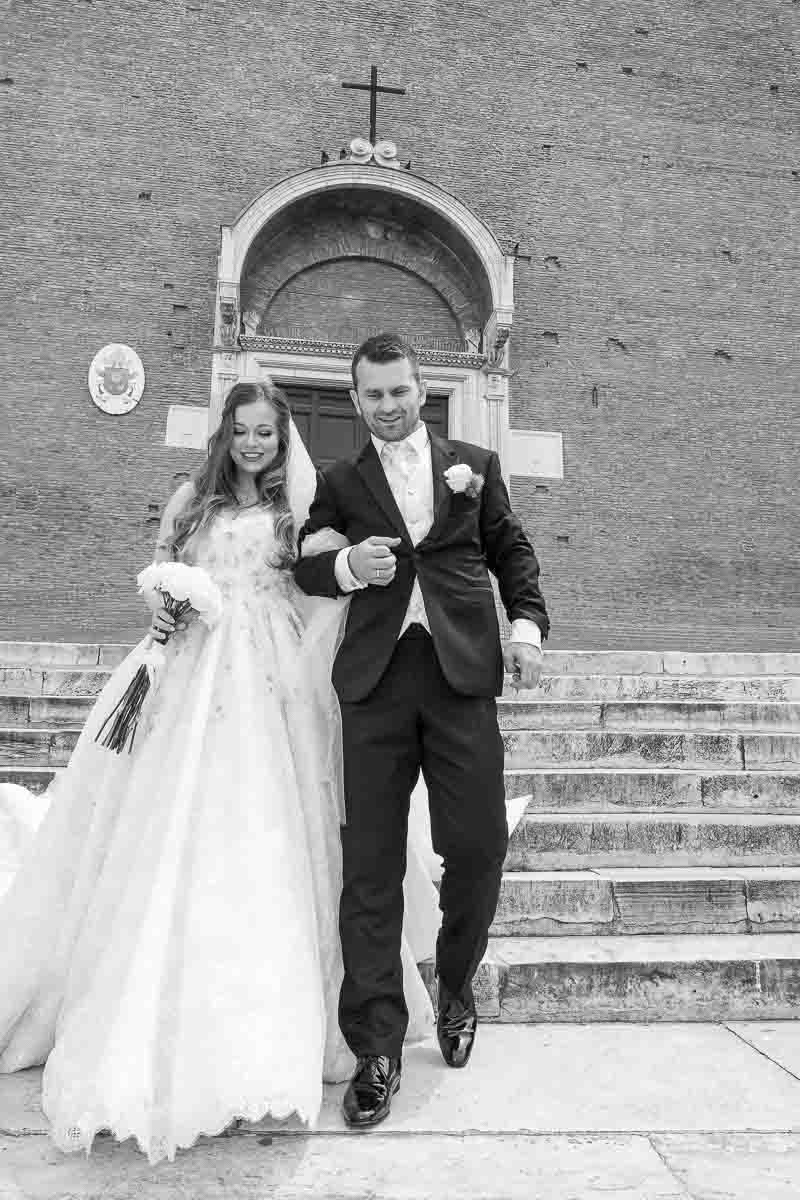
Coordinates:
x,y
468,538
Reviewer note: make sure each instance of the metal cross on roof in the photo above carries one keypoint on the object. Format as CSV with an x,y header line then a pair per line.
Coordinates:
x,y
373,89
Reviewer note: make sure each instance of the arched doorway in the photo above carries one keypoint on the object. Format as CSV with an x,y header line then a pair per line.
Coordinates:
x,y
328,257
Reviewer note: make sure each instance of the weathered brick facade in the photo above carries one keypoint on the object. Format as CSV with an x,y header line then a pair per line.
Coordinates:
x,y
644,154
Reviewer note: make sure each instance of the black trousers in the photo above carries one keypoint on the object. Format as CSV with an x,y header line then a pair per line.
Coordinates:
x,y
414,720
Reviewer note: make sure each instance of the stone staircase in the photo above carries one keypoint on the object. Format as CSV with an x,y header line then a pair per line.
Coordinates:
x,y
655,872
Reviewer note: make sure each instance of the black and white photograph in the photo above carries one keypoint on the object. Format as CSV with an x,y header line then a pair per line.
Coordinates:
x,y
400,600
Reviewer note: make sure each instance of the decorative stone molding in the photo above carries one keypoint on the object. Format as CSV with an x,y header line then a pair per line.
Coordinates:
x,y
302,346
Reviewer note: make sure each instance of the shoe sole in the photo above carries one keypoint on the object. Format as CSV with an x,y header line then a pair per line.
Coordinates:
x,y
373,1121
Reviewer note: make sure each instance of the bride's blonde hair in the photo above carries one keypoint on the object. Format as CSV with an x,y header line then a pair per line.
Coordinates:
x,y
214,483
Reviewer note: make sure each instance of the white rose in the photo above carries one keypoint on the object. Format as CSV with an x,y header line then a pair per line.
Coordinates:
x,y
458,477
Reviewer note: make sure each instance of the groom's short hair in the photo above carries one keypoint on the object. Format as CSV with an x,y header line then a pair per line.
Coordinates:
x,y
385,347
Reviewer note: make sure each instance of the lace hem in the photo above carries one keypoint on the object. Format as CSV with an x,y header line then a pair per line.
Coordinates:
x,y
74,1137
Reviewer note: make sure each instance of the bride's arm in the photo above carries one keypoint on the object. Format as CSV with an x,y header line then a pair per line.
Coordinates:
x,y
321,541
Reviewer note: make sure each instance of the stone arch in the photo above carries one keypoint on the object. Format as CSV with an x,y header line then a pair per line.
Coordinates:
x,y
449,222
444,244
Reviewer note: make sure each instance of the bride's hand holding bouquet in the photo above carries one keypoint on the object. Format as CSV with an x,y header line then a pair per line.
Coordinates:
x,y
172,590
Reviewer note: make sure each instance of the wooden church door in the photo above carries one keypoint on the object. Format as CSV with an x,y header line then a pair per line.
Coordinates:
x,y
332,429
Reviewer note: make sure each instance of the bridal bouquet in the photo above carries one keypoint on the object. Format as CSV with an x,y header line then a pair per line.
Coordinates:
x,y
178,587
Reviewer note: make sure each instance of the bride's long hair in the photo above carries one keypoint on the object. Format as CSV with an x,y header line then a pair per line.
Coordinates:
x,y
214,483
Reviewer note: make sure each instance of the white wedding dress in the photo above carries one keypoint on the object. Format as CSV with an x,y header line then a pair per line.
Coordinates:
x,y
170,943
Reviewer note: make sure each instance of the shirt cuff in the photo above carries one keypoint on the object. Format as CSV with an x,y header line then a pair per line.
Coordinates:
x,y
524,630
344,576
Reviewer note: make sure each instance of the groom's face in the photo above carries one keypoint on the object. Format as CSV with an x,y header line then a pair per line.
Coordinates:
x,y
389,397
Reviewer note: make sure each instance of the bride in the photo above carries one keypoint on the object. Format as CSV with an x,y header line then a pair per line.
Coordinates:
x,y
175,957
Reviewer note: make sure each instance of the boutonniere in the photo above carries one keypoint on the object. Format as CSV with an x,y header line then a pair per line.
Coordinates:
x,y
461,479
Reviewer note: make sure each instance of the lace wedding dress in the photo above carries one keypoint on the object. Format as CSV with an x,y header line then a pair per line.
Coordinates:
x,y
170,944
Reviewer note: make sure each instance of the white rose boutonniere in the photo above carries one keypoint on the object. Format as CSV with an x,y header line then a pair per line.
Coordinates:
x,y
461,479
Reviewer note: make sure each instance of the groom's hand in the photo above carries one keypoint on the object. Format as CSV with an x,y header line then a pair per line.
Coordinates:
x,y
523,663
372,561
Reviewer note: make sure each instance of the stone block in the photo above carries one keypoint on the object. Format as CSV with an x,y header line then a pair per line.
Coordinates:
x,y
36,747
771,751
680,903
601,790
603,662
549,714
49,654
733,1166
485,986
20,681
112,655
641,978
535,748
542,903
60,710
545,841
659,715
35,779
751,791
732,663
774,903
14,710
61,681
664,688
702,715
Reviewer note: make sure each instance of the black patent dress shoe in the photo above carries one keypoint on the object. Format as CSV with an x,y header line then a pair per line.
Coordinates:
x,y
368,1098
456,1024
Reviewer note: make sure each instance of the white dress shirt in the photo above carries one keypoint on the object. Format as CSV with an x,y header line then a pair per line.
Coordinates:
x,y
408,470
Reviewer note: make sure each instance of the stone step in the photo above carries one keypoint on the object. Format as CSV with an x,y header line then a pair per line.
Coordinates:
x,y
642,977
705,715
665,688
601,791
617,716
35,779
619,900
571,841
669,662
61,654
36,747
44,710
53,681
83,680
588,790
652,748
562,662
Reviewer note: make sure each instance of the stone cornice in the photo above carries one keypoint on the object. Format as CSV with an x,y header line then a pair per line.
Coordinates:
x,y
279,345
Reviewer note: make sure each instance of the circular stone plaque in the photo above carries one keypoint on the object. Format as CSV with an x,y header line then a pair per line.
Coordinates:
x,y
116,379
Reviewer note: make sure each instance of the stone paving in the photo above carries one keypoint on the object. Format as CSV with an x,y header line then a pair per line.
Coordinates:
x,y
544,1112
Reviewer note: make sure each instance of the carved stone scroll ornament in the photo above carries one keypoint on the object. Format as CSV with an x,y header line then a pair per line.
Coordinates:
x,y
383,153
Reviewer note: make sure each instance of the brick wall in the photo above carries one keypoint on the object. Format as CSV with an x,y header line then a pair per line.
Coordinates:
x,y
333,300
645,155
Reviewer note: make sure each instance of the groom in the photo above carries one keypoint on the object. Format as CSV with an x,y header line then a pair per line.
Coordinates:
x,y
417,674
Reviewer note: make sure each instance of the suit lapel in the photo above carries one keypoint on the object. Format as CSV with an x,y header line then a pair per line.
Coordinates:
x,y
369,468
442,456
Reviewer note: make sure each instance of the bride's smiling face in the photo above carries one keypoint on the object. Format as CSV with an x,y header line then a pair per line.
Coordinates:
x,y
255,437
